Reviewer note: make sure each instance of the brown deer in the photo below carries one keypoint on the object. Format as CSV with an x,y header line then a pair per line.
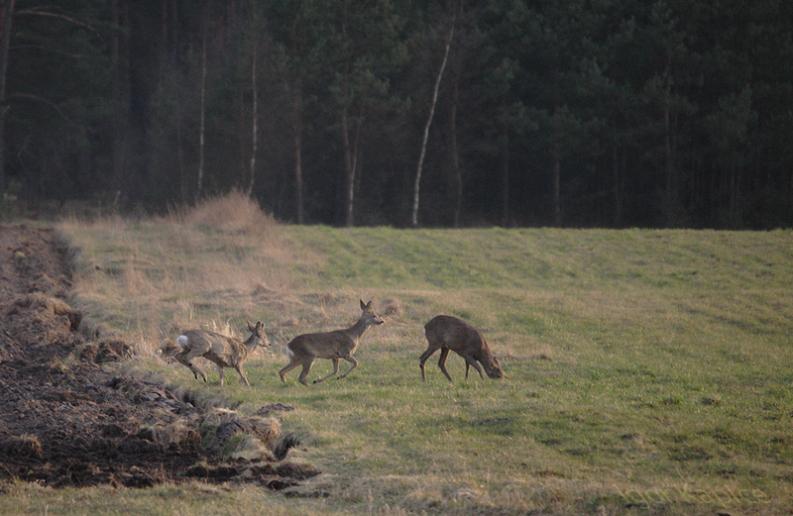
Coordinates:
x,y
446,333
224,351
333,345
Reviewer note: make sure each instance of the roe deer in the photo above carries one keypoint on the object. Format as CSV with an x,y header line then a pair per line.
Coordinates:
x,y
446,333
303,349
224,351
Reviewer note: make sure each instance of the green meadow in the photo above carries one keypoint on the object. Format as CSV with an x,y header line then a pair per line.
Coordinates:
x,y
648,371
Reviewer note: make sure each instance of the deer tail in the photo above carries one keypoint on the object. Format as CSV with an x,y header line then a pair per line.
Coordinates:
x,y
182,340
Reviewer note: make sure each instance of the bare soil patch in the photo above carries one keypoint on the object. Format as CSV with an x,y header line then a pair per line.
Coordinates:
x,y
64,420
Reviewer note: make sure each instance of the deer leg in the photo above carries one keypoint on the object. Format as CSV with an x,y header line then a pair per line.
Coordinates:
x,y
185,357
222,376
304,372
442,362
335,370
471,362
197,371
291,365
243,377
352,361
423,358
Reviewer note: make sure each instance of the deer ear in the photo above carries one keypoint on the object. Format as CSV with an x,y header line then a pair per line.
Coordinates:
x,y
250,326
363,306
260,324
369,304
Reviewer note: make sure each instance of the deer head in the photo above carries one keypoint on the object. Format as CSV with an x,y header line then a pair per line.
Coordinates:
x,y
368,315
258,336
490,363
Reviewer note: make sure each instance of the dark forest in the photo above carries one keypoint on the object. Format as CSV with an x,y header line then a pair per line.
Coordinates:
x,y
576,113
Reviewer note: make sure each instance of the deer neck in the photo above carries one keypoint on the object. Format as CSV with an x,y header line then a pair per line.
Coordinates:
x,y
250,344
357,330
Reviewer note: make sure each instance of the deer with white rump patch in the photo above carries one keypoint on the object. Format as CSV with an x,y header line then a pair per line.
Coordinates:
x,y
223,350
333,345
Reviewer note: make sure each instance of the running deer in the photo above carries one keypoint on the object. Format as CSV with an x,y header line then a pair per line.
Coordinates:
x,y
224,351
333,345
446,333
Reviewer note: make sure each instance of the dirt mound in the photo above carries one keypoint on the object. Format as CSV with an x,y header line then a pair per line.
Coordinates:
x,y
106,351
66,421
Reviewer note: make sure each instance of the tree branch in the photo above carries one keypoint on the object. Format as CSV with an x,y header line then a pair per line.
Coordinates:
x,y
52,50
64,17
36,98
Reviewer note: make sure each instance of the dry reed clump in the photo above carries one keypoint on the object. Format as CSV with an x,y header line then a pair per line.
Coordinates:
x,y
166,274
233,212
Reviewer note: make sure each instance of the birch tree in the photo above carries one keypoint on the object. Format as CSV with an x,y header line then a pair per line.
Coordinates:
x,y
414,217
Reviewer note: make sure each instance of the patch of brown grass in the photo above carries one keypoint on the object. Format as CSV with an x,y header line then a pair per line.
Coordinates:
x,y
233,212
198,265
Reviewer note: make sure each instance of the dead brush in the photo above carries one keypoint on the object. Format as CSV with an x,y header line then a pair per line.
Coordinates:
x,y
233,212
225,244
228,433
26,445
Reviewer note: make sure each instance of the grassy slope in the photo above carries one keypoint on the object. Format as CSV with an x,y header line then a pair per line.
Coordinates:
x,y
649,364
669,361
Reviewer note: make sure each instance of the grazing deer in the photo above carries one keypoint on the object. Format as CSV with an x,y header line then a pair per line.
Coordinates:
x,y
224,351
334,345
446,333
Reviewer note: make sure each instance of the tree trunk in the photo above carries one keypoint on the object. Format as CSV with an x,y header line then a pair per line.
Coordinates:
x,y
557,203
734,193
120,92
670,191
174,63
669,167
164,41
790,197
297,132
6,17
414,219
356,155
556,155
254,122
456,173
242,135
202,123
615,168
180,154
505,179
349,170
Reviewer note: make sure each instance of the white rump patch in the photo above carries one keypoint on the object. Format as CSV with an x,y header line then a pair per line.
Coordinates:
x,y
289,352
182,340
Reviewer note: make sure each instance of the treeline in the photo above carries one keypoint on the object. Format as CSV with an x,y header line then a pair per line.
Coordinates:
x,y
460,112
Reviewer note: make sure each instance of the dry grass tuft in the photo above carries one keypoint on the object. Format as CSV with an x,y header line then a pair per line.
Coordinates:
x,y
223,328
392,307
233,212
148,279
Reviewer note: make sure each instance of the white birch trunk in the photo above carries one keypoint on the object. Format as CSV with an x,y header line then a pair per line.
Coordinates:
x,y
414,220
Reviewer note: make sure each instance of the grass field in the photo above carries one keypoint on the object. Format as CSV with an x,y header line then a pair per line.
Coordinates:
x,y
648,371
